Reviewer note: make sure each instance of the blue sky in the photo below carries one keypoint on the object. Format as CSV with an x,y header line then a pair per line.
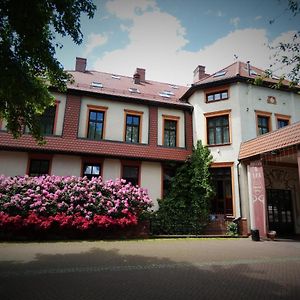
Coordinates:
x,y
169,38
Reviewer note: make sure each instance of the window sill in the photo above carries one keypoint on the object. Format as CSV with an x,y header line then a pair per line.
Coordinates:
x,y
214,101
218,145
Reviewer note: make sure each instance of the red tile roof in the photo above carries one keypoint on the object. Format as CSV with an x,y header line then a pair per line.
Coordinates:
x,y
118,85
275,140
239,69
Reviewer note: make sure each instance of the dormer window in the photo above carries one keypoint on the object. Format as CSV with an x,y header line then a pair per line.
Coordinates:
x,y
134,90
96,84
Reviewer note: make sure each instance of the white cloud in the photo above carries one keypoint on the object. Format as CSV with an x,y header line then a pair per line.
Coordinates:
x,y
130,8
235,21
94,41
220,13
157,41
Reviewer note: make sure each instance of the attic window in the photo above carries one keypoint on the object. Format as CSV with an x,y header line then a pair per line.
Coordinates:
x,y
220,73
173,86
97,84
115,77
134,90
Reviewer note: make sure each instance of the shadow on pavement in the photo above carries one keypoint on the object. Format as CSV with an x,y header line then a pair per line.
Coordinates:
x,y
100,274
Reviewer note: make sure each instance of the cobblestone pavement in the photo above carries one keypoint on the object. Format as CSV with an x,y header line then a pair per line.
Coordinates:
x,y
151,269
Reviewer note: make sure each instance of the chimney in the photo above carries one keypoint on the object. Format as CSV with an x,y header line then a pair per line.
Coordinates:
x,y
80,64
137,78
199,73
142,73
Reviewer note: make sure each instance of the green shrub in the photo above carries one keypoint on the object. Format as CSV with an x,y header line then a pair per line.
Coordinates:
x,y
185,209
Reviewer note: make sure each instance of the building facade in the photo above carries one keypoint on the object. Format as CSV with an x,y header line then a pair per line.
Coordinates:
x,y
108,125
129,127
230,109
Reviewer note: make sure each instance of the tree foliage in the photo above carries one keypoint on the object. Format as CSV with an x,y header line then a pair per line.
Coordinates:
x,y
27,56
187,204
288,53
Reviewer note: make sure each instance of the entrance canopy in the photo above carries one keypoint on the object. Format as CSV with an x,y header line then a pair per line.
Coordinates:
x,y
273,162
279,142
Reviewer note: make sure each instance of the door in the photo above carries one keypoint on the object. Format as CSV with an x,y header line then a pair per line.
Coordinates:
x,y
280,211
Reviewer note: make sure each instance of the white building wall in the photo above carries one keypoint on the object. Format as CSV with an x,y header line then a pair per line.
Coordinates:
x,y
151,179
254,98
181,125
115,118
60,113
13,163
111,169
65,165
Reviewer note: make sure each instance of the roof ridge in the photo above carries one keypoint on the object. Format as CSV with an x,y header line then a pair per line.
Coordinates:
x,y
129,77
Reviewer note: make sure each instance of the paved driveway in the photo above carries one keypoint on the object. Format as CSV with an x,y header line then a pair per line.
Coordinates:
x,y
151,269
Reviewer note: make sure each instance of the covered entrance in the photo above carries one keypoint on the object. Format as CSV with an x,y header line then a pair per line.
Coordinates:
x,y
272,163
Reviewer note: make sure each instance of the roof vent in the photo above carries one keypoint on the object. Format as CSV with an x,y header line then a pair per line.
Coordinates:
x,y
275,77
162,94
97,84
168,93
134,90
220,73
175,87
80,65
115,77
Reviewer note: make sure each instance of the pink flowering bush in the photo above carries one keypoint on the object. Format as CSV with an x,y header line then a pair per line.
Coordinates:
x,y
69,203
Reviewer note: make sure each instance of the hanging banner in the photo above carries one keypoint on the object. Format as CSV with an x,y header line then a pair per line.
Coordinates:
x,y
258,200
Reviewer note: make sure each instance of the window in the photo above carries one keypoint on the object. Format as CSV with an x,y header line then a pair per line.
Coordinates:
x,y
95,125
217,96
47,121
91,170
133,126
39,167
218,130
222,201
282,123
131,174
168,173
282,120
263,124
170,131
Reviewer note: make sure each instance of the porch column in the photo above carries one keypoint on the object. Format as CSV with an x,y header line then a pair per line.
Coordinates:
x,y
258,197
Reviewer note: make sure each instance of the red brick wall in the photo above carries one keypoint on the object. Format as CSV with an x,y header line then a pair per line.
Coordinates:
x,y
69,143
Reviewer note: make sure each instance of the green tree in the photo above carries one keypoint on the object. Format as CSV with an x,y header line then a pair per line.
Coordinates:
x,y
288,53
27,56
191,190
